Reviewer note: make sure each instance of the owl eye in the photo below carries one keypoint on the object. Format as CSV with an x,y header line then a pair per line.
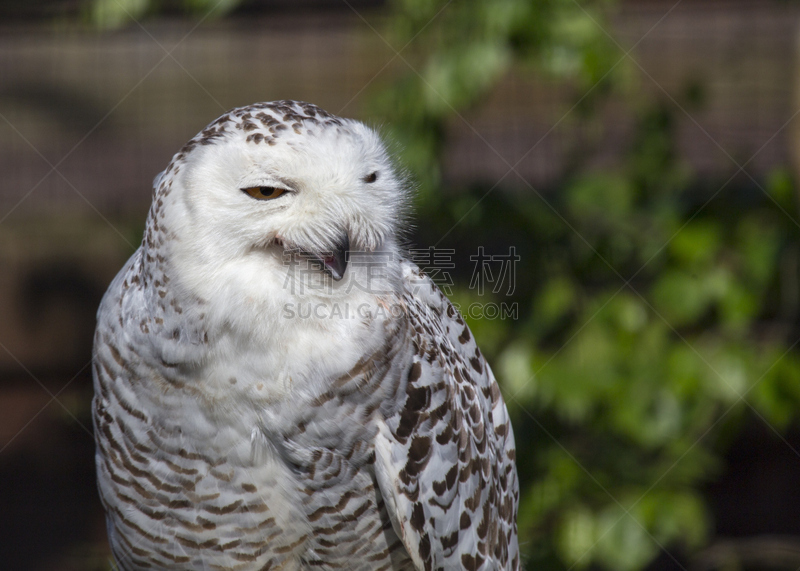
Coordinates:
x,y
264,192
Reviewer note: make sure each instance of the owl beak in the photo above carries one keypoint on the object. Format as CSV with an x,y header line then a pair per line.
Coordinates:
x,y
335,262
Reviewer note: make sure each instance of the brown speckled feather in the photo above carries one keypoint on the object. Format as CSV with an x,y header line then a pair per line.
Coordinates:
x,y
234,431
446,458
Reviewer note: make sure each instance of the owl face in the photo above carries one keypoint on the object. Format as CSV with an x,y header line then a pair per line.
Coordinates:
x,y
315,191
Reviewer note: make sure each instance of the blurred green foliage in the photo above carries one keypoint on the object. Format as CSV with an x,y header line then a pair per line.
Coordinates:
x,y
111,14
656,316
457,52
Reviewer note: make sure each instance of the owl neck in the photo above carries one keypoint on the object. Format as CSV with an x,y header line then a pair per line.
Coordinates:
x,y
154,268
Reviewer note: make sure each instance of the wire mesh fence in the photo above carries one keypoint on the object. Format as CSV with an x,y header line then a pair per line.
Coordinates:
x,y
108,110
87,119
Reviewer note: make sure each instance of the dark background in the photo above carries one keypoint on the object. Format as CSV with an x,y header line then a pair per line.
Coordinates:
x,y
698,133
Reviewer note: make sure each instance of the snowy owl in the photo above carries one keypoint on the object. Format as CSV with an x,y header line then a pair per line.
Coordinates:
x,y
276,386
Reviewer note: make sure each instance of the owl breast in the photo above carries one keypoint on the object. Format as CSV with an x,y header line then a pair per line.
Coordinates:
x,y
210,473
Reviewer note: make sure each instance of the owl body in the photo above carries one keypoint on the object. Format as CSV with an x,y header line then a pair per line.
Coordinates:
x,y
264,401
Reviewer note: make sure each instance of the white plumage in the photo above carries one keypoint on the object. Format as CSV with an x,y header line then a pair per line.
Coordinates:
x,y
276,387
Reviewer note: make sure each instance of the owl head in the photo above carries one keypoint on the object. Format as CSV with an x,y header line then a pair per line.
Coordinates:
x,y
273,182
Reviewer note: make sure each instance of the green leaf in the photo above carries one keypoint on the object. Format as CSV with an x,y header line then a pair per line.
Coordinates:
x,y
697,243
680,297
110,14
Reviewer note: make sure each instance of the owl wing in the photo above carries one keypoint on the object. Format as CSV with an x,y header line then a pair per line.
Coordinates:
x,y
445,459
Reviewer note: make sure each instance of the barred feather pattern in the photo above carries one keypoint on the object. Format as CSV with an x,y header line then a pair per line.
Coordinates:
x,y
420,473
401,459
174,502
448,454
